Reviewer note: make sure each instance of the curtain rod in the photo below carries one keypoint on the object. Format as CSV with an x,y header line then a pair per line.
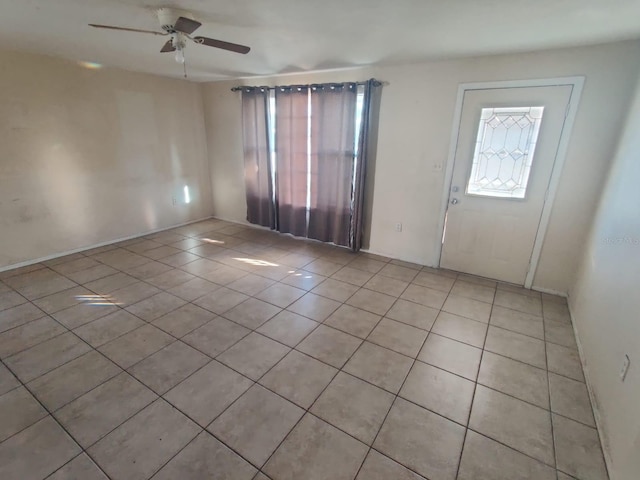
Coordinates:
x,y
376,83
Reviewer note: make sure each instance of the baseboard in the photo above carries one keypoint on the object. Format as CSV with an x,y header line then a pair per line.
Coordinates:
x,y
102,244
550,291
592,397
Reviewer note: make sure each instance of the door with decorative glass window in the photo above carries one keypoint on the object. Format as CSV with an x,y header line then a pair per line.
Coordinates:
x,y
507,143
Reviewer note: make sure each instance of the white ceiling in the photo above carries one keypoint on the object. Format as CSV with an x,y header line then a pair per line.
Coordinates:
x,y
291,36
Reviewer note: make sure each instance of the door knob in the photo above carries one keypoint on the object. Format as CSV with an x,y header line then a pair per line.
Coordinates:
x,y
454,201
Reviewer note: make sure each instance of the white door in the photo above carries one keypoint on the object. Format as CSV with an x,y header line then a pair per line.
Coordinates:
x,y
507,144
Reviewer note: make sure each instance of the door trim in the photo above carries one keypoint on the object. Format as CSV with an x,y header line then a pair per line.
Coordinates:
x,y
577,84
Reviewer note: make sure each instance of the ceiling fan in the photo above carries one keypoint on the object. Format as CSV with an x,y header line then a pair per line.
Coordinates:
x,y
179,25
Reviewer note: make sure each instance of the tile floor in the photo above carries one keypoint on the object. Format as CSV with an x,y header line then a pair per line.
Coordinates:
x,y
220,351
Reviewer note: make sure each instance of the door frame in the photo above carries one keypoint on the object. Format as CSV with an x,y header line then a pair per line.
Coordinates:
x,y
577,84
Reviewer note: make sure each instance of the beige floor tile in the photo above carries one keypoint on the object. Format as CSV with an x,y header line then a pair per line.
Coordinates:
x,y
167,367
73,379
83,313
46,356
208,392
156,306
132,347
353,276
518,289
426,296
107,328
335,290
455,357
514,345
84,270
564,361
170,279
140,446
132,294
19,315
303,279
314,306
183,320
18,410
315,450
94,414
281,295
33,291
215,337
323,267
111,283
578,449
256,423
206,457
161,252
519,322
570,398
474,291
251,284
560,333
221,300
477,280
367,264
439,391
398,337
407,437
61,300
413,314
296,260
435,281
398,272
329,345
252,313
353,406
513,422
37,451
522,303
28,335
254,355
374,302
378,467
556,310
387,285
299,378
461,329
484,459
193,289
148,270
380,366
353,321
467,307
515,378
80,468
7,380
288,328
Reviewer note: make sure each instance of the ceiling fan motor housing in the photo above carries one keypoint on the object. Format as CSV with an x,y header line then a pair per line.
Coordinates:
x,y
168,17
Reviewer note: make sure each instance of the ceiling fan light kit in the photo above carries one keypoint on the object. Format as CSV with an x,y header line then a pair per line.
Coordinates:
x,y
179,24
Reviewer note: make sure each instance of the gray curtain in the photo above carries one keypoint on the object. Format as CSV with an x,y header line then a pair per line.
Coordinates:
x,y
332,156
292,159
367,140
257,164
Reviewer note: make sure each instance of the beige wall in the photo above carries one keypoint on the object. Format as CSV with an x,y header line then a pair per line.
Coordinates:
x,y
605,305
88,156
415,128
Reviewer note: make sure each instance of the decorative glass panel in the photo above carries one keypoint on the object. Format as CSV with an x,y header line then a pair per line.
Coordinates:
x,y
504,151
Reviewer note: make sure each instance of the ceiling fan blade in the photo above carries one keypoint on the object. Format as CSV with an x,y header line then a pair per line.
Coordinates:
x,y
168,47
232,47
186,25
111,27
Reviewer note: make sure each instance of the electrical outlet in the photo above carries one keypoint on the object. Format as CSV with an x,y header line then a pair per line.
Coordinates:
x,y
625,367
173,201
437,167
398,227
